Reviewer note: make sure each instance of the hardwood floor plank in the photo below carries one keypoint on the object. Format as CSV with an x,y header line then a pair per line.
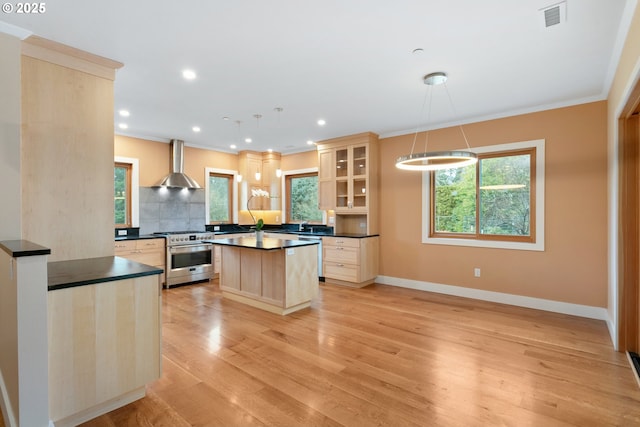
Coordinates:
x,y
381,356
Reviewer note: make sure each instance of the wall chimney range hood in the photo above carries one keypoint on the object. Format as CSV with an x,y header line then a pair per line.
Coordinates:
x,y
177,177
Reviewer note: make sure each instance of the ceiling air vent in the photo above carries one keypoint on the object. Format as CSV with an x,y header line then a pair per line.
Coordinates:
x,y
554,15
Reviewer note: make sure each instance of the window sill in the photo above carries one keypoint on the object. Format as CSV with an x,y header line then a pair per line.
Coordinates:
x,y
495,244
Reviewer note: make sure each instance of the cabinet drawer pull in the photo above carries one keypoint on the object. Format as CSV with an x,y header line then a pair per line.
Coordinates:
x,y
339,241
339,248
340,265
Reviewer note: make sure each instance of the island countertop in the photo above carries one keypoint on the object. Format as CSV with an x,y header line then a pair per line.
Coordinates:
x,y
81,272
267,243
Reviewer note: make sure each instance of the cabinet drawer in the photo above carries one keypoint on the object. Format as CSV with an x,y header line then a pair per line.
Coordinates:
x,y
124,246
341,254
341,241
341,271
150,244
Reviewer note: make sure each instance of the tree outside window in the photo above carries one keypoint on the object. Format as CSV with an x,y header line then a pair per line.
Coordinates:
x,y
220,198
490,200
302,198
122,194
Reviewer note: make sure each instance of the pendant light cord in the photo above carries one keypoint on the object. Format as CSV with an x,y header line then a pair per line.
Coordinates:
x,y
455,114
415,133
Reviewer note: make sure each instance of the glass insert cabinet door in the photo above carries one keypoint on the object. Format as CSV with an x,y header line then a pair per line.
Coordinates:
x,y
351,177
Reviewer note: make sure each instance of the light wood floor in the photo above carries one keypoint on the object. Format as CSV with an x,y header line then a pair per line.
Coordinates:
x,y
381,356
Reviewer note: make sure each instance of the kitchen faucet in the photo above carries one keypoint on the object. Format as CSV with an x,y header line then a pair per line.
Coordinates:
x,y
301,226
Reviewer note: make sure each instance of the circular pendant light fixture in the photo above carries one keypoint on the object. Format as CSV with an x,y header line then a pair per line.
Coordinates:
x,y
436,160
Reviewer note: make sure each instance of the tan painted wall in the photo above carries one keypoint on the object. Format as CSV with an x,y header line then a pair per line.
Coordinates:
x,y
572,269
155,159
304,160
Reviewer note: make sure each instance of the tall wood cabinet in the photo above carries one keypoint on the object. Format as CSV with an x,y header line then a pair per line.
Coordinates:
x,y
348,181
250,162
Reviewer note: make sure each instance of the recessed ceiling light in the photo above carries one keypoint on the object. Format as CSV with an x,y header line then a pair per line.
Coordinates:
x,y
309,142
270,150
123,126
248,140
233,146
189,74
322,122
124,113
196,129
225,118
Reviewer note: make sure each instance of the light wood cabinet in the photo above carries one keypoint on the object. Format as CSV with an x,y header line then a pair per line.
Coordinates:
x,y
104,346
279,281
250,162
217,250
147,251
326,179
348,181
350,261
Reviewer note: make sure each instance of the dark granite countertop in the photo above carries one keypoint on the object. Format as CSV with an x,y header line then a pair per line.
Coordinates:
x,y
266,244
81,272
352,235
322,234
22,248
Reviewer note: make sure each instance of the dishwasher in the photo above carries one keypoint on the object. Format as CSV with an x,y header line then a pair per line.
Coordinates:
x,y
319,240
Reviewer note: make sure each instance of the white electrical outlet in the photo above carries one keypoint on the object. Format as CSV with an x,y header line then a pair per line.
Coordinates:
x,y
331,220
122,232
476,272
216,228
363,225
290,251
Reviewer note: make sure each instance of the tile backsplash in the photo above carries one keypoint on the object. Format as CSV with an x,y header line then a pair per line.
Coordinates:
x,y
171,209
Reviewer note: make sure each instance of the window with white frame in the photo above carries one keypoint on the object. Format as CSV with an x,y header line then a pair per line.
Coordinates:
x,y
220,198
126,192
302,197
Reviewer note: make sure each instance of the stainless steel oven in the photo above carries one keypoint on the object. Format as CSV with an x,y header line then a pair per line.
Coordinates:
x,y
189,258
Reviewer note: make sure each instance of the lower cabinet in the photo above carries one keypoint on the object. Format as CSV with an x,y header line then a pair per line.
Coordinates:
x,y
104,346
279,280
217,250
147,251
350,261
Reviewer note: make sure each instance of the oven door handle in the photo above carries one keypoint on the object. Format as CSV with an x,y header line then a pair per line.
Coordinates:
x,y
198,245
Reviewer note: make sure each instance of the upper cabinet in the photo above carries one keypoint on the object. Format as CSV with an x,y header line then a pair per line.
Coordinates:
x,y
348,181
351,182
258,171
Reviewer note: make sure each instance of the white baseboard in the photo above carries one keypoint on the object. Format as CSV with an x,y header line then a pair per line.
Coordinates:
x,y
587,311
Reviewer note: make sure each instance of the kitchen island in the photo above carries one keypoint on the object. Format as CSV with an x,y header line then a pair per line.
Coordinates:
x,y
276,275
104,329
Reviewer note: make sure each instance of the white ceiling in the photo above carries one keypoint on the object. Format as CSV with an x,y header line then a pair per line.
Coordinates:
x,y
349,62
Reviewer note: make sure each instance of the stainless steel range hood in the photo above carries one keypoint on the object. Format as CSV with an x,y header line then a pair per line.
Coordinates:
x,y
177,177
